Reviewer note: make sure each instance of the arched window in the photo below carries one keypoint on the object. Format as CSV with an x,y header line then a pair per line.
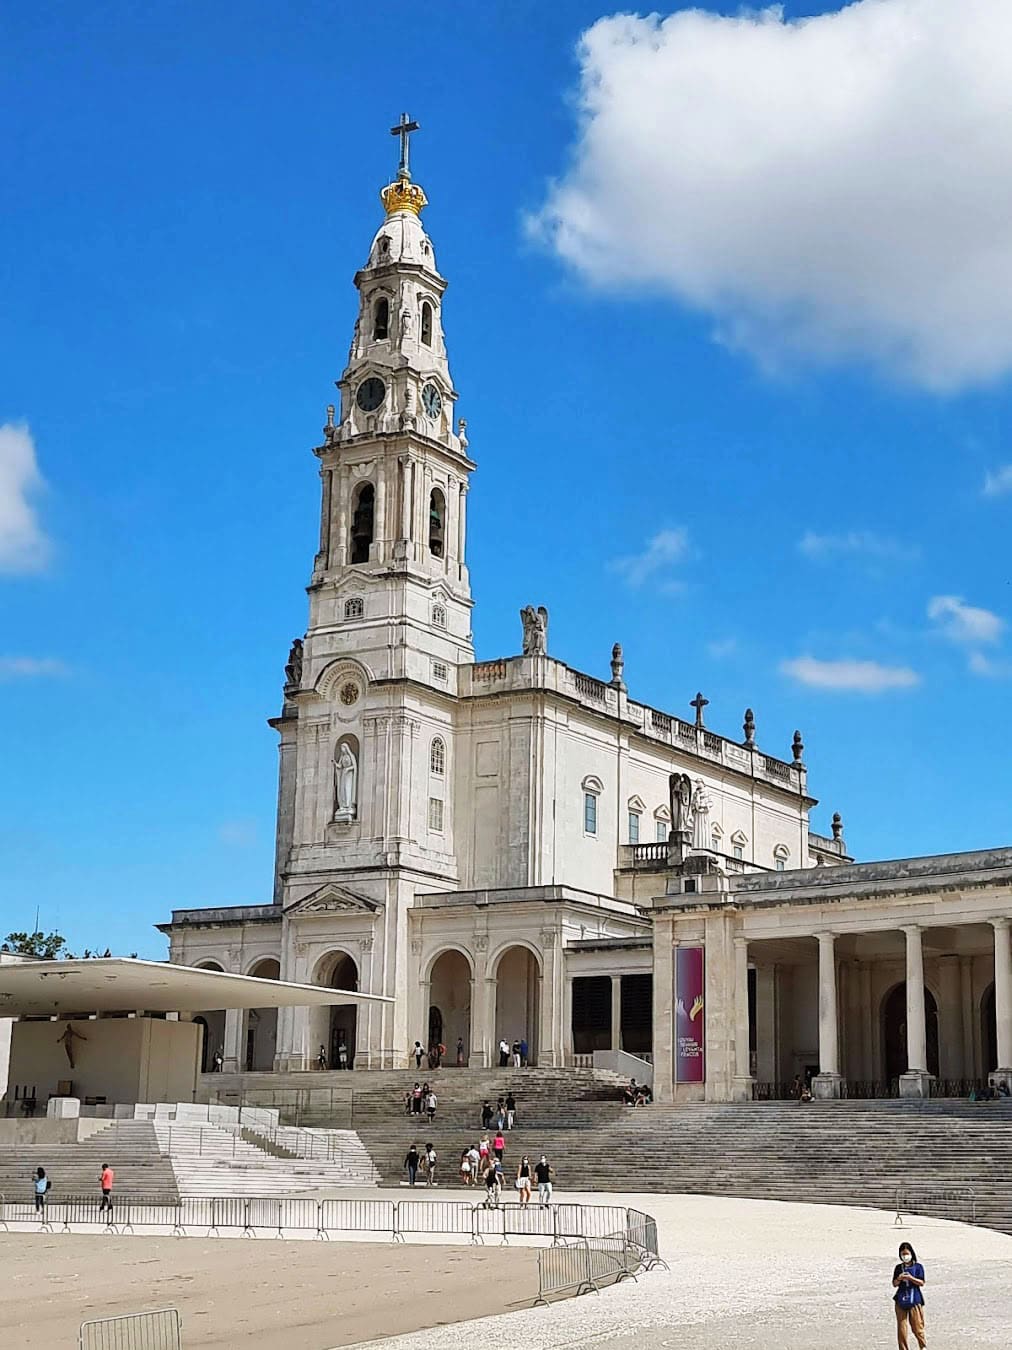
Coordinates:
x,y
662,824
437,519
592,789
780,856
354,609
427,324
437,756
438,616
381,318
362,523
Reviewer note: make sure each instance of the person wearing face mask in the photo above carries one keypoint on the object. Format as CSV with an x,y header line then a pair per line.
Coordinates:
x,y
908,1281
543,1176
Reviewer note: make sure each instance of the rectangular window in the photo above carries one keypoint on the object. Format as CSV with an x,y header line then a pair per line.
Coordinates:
x,y
662,831
436,814
738,852
439,671
634,827
589,813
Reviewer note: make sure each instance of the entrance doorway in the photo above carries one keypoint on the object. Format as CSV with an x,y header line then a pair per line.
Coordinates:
x,y
894,1032
344,1016
517,996
261,1041
450,1004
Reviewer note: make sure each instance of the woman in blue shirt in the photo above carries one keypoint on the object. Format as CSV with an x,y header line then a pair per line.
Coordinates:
x,y
40,1184
908,1280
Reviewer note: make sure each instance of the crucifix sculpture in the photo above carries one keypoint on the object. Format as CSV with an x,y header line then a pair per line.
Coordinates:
x,y
404,128
699,703
68,1038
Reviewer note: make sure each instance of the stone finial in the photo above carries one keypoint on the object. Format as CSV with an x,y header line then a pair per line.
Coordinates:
x,y
699,703
798,750
330,430
748,726
462,433
617,666
837,825
293,670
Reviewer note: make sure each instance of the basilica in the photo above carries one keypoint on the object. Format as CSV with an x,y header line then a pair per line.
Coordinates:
x,y
514,849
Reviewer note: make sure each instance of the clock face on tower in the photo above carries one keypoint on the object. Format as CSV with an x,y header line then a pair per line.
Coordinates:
x,y
431,401
370,394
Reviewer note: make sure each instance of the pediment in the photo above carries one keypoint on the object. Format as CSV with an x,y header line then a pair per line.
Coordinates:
x,y
331,899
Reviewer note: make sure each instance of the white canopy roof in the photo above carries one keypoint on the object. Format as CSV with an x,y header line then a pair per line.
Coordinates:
x,y
121,984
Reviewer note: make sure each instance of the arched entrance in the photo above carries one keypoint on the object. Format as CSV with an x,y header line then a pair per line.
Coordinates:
x,y
335,1028
989,1029
450,1003
260,1042
894,1032
517,999
213,1024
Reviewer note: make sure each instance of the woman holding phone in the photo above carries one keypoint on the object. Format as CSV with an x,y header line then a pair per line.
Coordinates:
x,y
908,1281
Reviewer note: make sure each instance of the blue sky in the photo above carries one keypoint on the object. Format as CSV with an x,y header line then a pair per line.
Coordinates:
x,y
736,379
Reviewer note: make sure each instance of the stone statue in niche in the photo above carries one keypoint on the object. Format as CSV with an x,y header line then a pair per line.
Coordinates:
x,y
701,804
345,783
293,670
680,793
535,622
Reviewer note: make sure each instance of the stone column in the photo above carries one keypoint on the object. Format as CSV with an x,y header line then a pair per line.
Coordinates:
x,y
450,525
742,1059
379,533
916,1082
235,1038
767,1020
567,1021
461,524
970,1066
1003,1000
826,1083
616,1012
405,464
339,550
664,1010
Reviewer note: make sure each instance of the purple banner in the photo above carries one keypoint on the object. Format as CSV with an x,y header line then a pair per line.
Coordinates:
x,y
690,1020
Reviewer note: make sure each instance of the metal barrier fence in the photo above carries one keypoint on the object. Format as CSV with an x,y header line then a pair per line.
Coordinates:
x,y
937,1202
211,1215
140,1331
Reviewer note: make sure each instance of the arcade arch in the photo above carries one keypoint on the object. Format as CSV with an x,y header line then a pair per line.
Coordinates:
x,y
336,1028
894,1032
449,1016
213,1024
518,998
260,1039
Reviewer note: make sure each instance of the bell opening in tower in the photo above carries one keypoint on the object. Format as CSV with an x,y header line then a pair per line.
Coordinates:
x,y
381,318
427,324
437,515
362,523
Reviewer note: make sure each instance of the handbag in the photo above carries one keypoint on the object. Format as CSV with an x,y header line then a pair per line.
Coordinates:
x,y
906,1296
519,1184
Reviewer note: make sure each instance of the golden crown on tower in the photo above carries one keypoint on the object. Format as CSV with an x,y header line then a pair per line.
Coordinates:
x,y
403,196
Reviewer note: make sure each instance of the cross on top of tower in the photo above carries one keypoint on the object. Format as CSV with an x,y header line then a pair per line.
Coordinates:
x,y
403,129
699,703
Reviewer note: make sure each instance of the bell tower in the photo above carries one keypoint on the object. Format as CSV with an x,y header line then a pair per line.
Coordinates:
x,y
394,465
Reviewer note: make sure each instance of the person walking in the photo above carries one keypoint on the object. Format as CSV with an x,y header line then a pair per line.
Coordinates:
x,y
543,1176
411,1162
500,1114
524,1181
484,1149
465,1168
516,1054
321,1058
416,1099
418,1052
108,1177
504,1052
524,1052
493,1185
908,1281
430,1105
219,1061
499,1145
486,1115
41,1185
430,1165
460,1052
475,1159
342,1053
511,1110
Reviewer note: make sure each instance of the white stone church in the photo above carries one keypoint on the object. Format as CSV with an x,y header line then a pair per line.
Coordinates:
x,y
514,849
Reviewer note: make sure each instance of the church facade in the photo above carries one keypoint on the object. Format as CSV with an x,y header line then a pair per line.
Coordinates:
x,y
514,849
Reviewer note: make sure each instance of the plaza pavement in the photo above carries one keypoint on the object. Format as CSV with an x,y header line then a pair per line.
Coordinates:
x,y
766,1276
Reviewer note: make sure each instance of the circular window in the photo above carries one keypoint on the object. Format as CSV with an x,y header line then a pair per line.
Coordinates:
x,y
349,693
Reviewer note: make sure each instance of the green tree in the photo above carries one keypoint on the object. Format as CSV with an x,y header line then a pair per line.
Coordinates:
x,y
43,946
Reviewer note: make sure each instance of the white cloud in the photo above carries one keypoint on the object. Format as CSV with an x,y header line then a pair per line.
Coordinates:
x,y
859,543
827,188
998,482
23,544
237,833
662,551
31,667
991,670
960,622
862,677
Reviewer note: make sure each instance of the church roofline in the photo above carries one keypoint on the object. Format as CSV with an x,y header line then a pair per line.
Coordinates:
x,y
219,916
545,674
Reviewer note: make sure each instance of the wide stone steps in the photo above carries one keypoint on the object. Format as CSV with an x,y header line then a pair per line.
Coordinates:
x,y
75,1169
208,1160
843,1153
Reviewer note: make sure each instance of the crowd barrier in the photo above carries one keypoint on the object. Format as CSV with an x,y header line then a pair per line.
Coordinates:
x,y
584,1264
940,1202
210,1216
139,1331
